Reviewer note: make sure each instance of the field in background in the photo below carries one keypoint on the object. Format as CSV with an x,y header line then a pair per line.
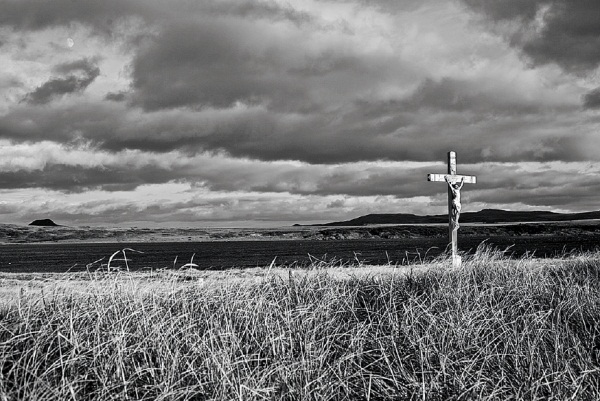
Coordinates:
x,y
17,234
226,254
494,329
61,249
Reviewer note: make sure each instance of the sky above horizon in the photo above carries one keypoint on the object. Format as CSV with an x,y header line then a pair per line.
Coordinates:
x,y
266,113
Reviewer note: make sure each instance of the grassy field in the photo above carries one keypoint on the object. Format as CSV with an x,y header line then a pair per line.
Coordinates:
x,y
493,329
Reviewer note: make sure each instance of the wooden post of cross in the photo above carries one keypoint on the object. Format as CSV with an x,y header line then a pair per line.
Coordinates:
x,y
455,183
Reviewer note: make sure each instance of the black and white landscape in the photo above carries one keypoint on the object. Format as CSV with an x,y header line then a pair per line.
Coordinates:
x,y
299,200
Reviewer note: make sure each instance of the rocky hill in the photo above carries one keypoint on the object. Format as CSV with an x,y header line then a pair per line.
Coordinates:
x,y
43,223
488,216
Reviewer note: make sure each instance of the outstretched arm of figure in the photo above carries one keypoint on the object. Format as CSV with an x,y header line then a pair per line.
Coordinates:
x,y
462,182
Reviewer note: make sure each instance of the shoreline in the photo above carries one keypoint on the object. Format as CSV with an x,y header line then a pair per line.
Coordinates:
x,y
31,235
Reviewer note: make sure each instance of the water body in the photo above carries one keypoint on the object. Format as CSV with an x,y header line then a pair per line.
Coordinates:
x,y
61,257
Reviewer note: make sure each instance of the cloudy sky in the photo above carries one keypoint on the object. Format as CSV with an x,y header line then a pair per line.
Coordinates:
x,y
237,113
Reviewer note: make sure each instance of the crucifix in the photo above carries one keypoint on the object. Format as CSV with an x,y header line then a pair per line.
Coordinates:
x,y
455,183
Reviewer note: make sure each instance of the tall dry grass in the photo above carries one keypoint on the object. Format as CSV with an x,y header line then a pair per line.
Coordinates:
x,y
494,329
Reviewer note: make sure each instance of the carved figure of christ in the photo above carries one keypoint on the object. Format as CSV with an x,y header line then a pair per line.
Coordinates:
x,y
455,183
455,206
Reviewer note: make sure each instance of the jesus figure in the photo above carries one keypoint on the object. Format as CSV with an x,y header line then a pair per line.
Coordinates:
x,y
455,206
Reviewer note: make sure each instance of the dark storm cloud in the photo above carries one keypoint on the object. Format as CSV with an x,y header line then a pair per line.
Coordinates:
x,y
259,9
299,93
551,185
391,6
548,197
591,100
59,124
255,89
361,133
8,82
87,72
298,64
211,53
218,67
569,35
35,15
103,16
73,178
87,65
56,87
506,9
460,95
115,96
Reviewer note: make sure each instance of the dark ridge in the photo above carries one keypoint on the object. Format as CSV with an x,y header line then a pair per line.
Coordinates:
x,y
43,223
488,216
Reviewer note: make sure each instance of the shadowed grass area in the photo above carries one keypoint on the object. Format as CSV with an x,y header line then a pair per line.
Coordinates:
x,y
494,329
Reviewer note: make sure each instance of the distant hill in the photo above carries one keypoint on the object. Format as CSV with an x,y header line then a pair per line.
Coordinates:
x,y
488,216
43,223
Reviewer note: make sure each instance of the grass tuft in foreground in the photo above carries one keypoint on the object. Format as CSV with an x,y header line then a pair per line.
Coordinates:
x,y
495,329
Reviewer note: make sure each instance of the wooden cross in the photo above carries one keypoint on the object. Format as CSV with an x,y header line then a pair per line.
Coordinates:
x,y
455,182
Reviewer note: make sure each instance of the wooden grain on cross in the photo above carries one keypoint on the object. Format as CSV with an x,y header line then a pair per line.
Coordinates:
x,y
453,200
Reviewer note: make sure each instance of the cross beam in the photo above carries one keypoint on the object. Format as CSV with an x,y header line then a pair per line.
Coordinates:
x,y
468,179
455,183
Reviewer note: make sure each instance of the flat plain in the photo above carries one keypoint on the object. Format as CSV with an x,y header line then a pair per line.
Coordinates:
x,y
21,234
61,249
